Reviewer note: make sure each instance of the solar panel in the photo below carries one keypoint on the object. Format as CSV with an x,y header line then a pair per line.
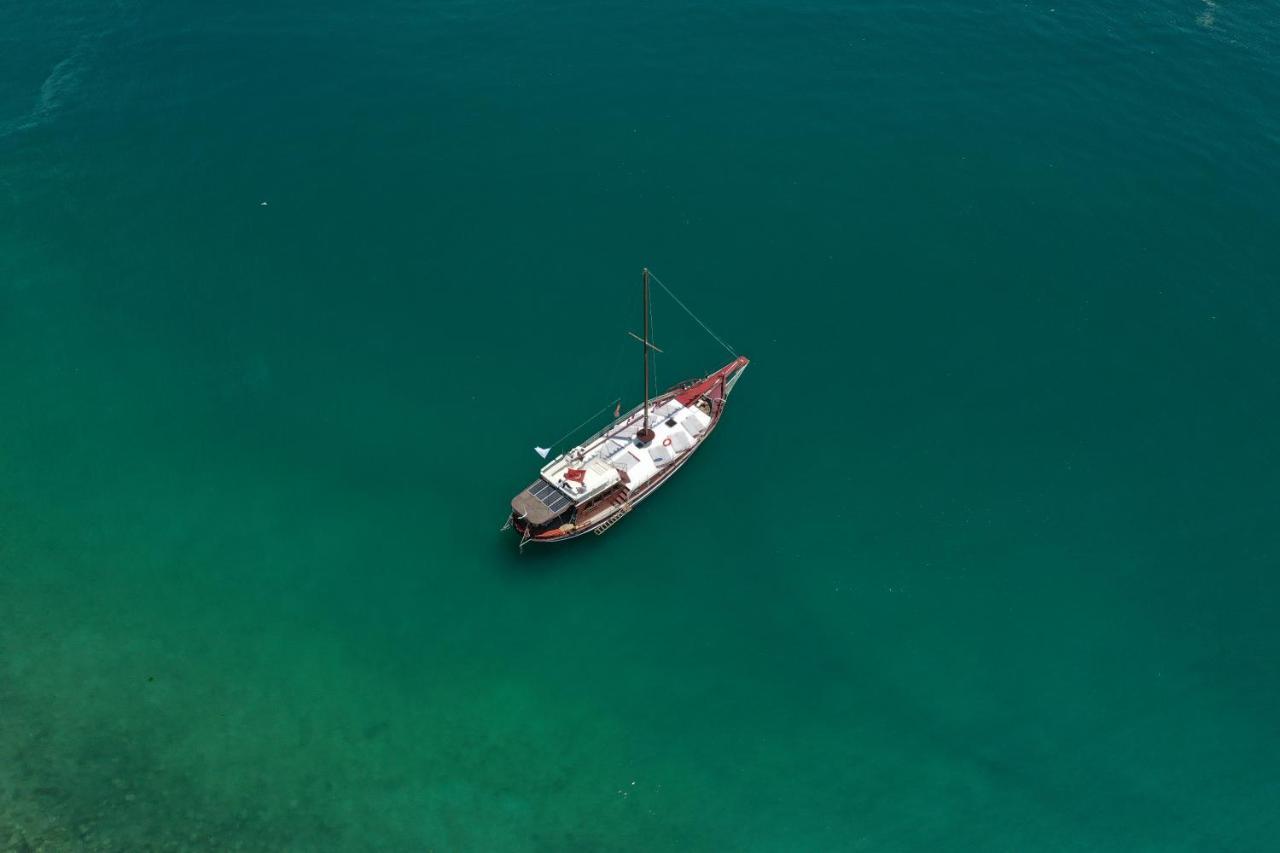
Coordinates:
x,y
554,499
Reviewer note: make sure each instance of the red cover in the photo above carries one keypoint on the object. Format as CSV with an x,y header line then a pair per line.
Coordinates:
x,y
578,475
708,385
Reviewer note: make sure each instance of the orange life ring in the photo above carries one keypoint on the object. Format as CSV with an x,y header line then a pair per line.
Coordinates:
x,y
666,442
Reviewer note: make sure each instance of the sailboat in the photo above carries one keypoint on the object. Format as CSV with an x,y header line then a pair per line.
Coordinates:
x,y
593,486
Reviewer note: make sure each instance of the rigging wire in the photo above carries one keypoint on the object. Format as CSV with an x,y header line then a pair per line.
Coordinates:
x,y
704,326
617,360
603,409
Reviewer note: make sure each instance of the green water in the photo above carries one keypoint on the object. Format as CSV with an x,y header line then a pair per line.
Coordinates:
x,y
983,556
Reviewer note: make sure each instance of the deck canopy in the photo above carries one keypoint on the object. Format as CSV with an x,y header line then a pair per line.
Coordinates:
x,y
540,503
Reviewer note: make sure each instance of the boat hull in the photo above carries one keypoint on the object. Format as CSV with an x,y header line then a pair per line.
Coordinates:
x,y
714,388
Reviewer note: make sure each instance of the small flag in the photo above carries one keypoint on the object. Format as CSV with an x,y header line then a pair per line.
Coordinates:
x,y
617,410
577,475
542,451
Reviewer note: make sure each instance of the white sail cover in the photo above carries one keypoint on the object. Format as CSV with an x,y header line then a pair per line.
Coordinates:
x,y
636,464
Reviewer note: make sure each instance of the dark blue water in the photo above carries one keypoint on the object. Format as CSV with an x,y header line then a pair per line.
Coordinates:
x,y
982,557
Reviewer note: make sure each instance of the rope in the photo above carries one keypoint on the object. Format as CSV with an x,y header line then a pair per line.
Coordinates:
x,y
704,326
613,402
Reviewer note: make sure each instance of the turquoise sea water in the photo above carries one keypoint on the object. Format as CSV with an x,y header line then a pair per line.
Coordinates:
x,y
983,557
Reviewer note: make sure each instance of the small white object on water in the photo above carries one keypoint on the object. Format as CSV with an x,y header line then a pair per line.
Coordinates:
x,y
262,204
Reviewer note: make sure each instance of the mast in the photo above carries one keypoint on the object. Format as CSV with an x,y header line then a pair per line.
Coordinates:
x,y
645,435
